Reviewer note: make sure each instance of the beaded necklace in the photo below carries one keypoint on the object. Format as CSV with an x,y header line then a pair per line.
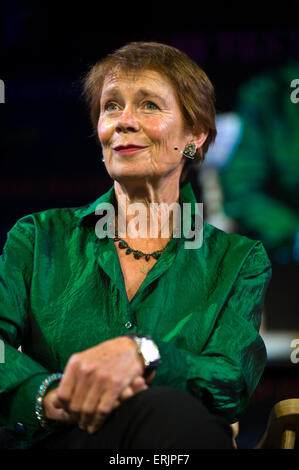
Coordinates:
x,y
122,244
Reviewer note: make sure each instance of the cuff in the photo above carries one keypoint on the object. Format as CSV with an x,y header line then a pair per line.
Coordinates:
x,y
20,409
174,367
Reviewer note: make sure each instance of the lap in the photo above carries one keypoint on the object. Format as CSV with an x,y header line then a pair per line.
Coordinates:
x,y
157,418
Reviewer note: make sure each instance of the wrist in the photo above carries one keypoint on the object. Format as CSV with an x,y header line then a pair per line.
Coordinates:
x,y
130,338
44,388
148,352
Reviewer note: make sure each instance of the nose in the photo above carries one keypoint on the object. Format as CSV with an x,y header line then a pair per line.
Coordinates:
x,y
127,121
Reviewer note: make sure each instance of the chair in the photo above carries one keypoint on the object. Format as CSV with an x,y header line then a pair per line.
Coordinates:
x,y
235,432
283,426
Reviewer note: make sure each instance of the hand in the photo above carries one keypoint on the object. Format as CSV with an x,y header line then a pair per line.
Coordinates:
x,y
53,409
136,386
95,381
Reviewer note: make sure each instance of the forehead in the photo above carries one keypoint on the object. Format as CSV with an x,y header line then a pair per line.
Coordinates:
x,y
135,80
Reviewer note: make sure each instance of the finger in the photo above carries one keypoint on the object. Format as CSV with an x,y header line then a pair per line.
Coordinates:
x,y
64,417
96,423
68,380
57,413
138,384
100,399
126,393
78,398
108,399
116,404
90,405
110,392
56,402
52,408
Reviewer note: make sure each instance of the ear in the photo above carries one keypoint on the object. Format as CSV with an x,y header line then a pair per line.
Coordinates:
x,y
200,139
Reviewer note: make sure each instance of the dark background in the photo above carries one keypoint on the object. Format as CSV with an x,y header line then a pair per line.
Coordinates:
x,y
47,155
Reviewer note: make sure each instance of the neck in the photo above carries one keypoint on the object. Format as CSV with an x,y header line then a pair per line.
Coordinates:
x,y
144,209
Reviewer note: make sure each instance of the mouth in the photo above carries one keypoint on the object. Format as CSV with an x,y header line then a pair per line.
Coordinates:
x,y
129,148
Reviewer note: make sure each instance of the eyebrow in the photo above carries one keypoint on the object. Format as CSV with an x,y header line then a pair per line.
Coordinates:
x,y
142,93
149,94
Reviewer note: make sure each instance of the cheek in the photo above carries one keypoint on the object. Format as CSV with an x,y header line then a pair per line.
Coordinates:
x,y
164,135
105,131
160,131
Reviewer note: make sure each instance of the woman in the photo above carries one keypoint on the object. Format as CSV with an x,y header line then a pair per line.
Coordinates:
x,y
158,343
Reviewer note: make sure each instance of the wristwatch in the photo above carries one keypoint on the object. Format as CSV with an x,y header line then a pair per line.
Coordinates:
x,y
149,352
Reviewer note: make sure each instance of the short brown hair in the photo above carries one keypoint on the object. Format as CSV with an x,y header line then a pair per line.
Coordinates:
x,y
193,88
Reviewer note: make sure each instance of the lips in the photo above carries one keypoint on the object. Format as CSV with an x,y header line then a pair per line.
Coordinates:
x,y
128,147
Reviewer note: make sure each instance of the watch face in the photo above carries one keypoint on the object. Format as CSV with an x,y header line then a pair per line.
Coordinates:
x,y
149,350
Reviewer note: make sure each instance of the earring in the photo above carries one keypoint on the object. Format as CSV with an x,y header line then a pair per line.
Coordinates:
x,y
189,150
103,159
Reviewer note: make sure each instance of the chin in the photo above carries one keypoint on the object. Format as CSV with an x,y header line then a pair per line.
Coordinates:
x,y
130,178
130,174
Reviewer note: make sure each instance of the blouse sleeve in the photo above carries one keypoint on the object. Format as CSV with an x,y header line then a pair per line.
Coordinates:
x,y
228,369
20,376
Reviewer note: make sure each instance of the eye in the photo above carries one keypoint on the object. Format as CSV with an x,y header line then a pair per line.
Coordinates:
x,y
111,107
150,105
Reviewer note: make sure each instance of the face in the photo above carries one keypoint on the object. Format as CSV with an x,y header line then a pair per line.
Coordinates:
x,y
139,125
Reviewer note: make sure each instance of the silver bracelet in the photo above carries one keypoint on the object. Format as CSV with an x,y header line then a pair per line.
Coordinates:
x,y
39,412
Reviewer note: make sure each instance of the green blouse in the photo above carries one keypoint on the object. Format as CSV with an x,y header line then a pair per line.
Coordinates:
x,y
62,291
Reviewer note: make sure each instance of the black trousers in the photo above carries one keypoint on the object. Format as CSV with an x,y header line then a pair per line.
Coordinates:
x,y
157,418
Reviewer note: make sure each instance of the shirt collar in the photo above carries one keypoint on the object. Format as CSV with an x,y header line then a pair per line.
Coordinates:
x,y
87,214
